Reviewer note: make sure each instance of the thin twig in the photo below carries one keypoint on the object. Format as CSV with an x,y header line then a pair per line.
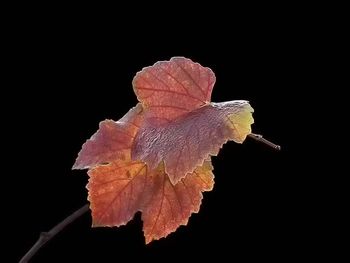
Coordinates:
x,y
260,138
47,236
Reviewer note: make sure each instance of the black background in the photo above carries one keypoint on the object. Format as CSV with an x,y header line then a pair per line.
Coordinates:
x,y
67,77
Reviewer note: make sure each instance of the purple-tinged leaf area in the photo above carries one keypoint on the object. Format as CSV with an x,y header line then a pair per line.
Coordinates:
x,y
186,142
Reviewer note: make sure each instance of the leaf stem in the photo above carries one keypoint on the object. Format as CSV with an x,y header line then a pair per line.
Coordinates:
x,y
47,236
261,139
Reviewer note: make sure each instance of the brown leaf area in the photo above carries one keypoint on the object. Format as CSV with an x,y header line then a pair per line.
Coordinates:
x,y
156,159
120,189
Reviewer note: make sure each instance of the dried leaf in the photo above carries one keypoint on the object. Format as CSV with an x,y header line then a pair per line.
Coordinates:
x,y
156,159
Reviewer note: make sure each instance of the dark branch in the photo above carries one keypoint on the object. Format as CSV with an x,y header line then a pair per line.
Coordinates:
x,y
260,138
47,236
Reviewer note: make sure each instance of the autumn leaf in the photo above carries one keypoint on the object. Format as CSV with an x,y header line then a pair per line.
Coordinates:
x,y
182,128
121,187
156,159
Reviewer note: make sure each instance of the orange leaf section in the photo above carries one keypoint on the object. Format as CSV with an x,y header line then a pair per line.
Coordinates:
x,y
169,89
120,189
116,192
172,205
186,142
